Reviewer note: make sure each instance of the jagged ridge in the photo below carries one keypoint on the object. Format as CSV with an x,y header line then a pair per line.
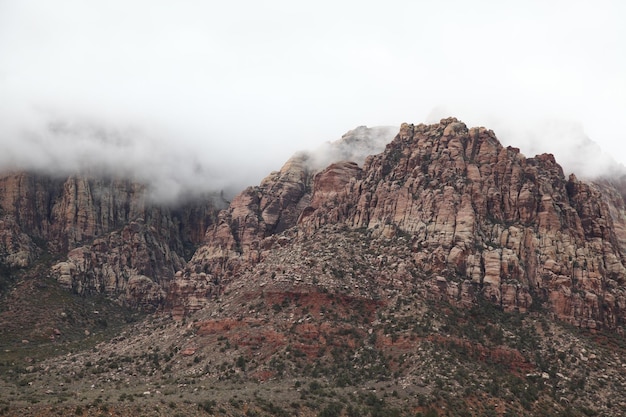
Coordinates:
x,y
481,218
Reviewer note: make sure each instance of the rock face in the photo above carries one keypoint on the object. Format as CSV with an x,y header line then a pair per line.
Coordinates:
x,y
481,219
66,212
237,239
116,241
411,269
485,215
444,203
108,238
248,229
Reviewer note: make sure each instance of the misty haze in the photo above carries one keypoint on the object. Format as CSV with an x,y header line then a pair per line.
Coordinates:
x,y
196,98
338,209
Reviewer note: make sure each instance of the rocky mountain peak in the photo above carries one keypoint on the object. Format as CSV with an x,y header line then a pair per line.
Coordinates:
x,y
482,219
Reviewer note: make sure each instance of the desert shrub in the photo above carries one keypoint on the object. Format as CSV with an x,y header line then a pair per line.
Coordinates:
x,y
207,406
331,410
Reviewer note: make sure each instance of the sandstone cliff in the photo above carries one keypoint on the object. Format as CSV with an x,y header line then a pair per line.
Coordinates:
x,y
246,230
106,236
481,220
114,240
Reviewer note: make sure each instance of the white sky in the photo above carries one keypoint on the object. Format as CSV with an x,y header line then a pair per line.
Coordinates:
x,y
231,89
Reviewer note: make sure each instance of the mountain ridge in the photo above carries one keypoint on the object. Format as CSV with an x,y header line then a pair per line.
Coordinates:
x,y
447,275
501,228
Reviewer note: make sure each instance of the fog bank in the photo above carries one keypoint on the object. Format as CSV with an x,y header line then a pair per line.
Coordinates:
x,y
199,96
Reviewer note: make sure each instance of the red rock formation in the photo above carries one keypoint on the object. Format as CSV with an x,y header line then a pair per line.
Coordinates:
x,y
481,218
478,218
486,215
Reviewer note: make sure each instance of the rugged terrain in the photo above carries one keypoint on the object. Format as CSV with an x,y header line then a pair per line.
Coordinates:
x,y
445,275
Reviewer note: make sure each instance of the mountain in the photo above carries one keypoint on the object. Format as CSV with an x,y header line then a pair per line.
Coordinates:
x,y
442,275
480,219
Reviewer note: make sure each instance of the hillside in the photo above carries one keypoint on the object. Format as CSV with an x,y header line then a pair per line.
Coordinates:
x,y
445,275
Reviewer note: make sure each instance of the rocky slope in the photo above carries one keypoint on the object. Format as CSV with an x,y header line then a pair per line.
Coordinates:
x,y
261,212
336,320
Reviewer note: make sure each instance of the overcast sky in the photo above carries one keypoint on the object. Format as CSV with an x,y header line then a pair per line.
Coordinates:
x,y
215,92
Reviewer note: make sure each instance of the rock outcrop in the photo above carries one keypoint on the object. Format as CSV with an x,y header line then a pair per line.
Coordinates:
x,y
445,267
482,219
478,219
237,239
108,237
66,212
117,242
247,230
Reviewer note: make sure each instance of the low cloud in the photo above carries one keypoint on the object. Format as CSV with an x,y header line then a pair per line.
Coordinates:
x,y
355,145
549,132
194,96
175,170
566,140
171,169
